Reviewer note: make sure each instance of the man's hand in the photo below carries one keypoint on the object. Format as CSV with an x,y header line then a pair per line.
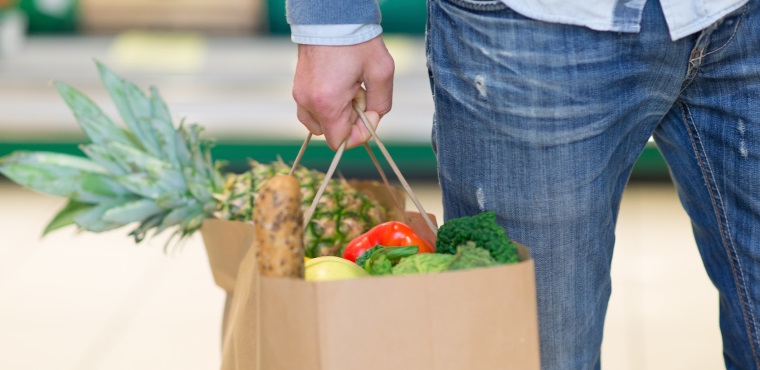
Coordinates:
x,y
327,80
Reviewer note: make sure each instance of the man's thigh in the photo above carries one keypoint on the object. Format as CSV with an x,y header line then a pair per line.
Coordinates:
x,y
542,123
711,140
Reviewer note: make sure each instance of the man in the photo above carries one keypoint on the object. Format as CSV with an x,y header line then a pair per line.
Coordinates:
x,y
542,108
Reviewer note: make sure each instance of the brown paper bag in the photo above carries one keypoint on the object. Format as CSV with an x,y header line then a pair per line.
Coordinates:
x,y
479,319
226,244
476,319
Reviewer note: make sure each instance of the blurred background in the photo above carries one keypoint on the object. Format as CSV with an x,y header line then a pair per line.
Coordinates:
x,y
84,301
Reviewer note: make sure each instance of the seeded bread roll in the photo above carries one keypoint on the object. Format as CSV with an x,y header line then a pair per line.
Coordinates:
x,y
278,223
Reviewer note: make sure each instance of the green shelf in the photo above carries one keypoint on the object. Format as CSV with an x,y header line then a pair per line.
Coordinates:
x,y
51,16
415,160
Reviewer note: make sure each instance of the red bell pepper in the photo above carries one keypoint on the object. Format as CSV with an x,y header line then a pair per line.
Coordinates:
x,y
388,234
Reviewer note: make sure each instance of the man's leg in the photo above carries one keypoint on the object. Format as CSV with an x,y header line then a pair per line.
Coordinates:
x,y
542,123
711,140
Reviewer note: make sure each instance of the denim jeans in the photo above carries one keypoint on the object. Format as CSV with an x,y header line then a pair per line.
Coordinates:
x,y
543,122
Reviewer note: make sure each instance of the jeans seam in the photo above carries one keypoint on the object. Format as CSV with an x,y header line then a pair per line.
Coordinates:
x,y
726,239
691,74
431,80
429,47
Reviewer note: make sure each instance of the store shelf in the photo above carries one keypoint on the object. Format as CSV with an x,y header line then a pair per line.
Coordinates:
x,y
416,160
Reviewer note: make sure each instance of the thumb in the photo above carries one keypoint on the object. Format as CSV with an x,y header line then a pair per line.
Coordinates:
x,y
359,133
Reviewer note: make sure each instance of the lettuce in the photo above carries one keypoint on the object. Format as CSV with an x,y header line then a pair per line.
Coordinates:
x,y
468,256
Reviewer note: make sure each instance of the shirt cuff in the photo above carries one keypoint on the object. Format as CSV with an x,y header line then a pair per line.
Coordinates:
x,y
333,34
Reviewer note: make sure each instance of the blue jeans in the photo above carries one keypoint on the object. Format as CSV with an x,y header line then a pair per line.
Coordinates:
x,y
543,122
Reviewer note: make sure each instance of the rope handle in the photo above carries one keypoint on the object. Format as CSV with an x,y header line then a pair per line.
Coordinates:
x,y
374,161
334,164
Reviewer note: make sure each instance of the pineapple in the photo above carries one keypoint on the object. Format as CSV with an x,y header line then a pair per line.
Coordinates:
x,y
163,177
342,214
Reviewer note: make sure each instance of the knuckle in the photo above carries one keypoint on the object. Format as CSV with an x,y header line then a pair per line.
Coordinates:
x,y
386,108
299,95
302,117
382,72
325,102
314,99
321,100
387,68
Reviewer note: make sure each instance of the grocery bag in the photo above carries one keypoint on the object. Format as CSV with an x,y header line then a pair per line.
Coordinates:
x,y
473,319
477,319
227,242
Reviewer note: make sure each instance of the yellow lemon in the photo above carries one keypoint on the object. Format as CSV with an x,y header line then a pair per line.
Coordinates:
x,y
332,268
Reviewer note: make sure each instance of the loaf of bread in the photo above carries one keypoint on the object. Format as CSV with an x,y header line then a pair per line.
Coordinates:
x,y
278,223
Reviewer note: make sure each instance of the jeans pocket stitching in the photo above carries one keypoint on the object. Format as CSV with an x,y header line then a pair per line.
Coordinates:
x,y
722,219
736,29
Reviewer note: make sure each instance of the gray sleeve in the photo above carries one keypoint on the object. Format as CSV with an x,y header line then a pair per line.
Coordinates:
x,y
333,12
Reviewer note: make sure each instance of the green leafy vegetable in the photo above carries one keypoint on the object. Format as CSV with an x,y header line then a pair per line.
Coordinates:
x,y
380,265
382,260
366,255
481,229
470,256
423,263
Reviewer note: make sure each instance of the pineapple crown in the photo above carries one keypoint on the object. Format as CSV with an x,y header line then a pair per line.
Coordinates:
x,y
148,172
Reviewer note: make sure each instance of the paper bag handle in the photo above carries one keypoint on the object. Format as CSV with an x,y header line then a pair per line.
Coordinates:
x,y
334,165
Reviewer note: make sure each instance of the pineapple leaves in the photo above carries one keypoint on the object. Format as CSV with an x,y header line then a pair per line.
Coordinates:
x,y
141,184
131,211
172,200
63,161
166,137
148,176
196,172
102,156
95,124
92,220
62,175
139,233
191,211
146,172
159,108
161,122
133,106
66,215
147,117
183,154
215,175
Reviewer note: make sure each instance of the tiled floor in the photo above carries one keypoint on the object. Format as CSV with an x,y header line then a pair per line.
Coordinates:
x,y
99,302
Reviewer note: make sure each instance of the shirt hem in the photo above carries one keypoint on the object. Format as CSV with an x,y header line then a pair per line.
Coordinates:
x,y
597,26
703,23
338,40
